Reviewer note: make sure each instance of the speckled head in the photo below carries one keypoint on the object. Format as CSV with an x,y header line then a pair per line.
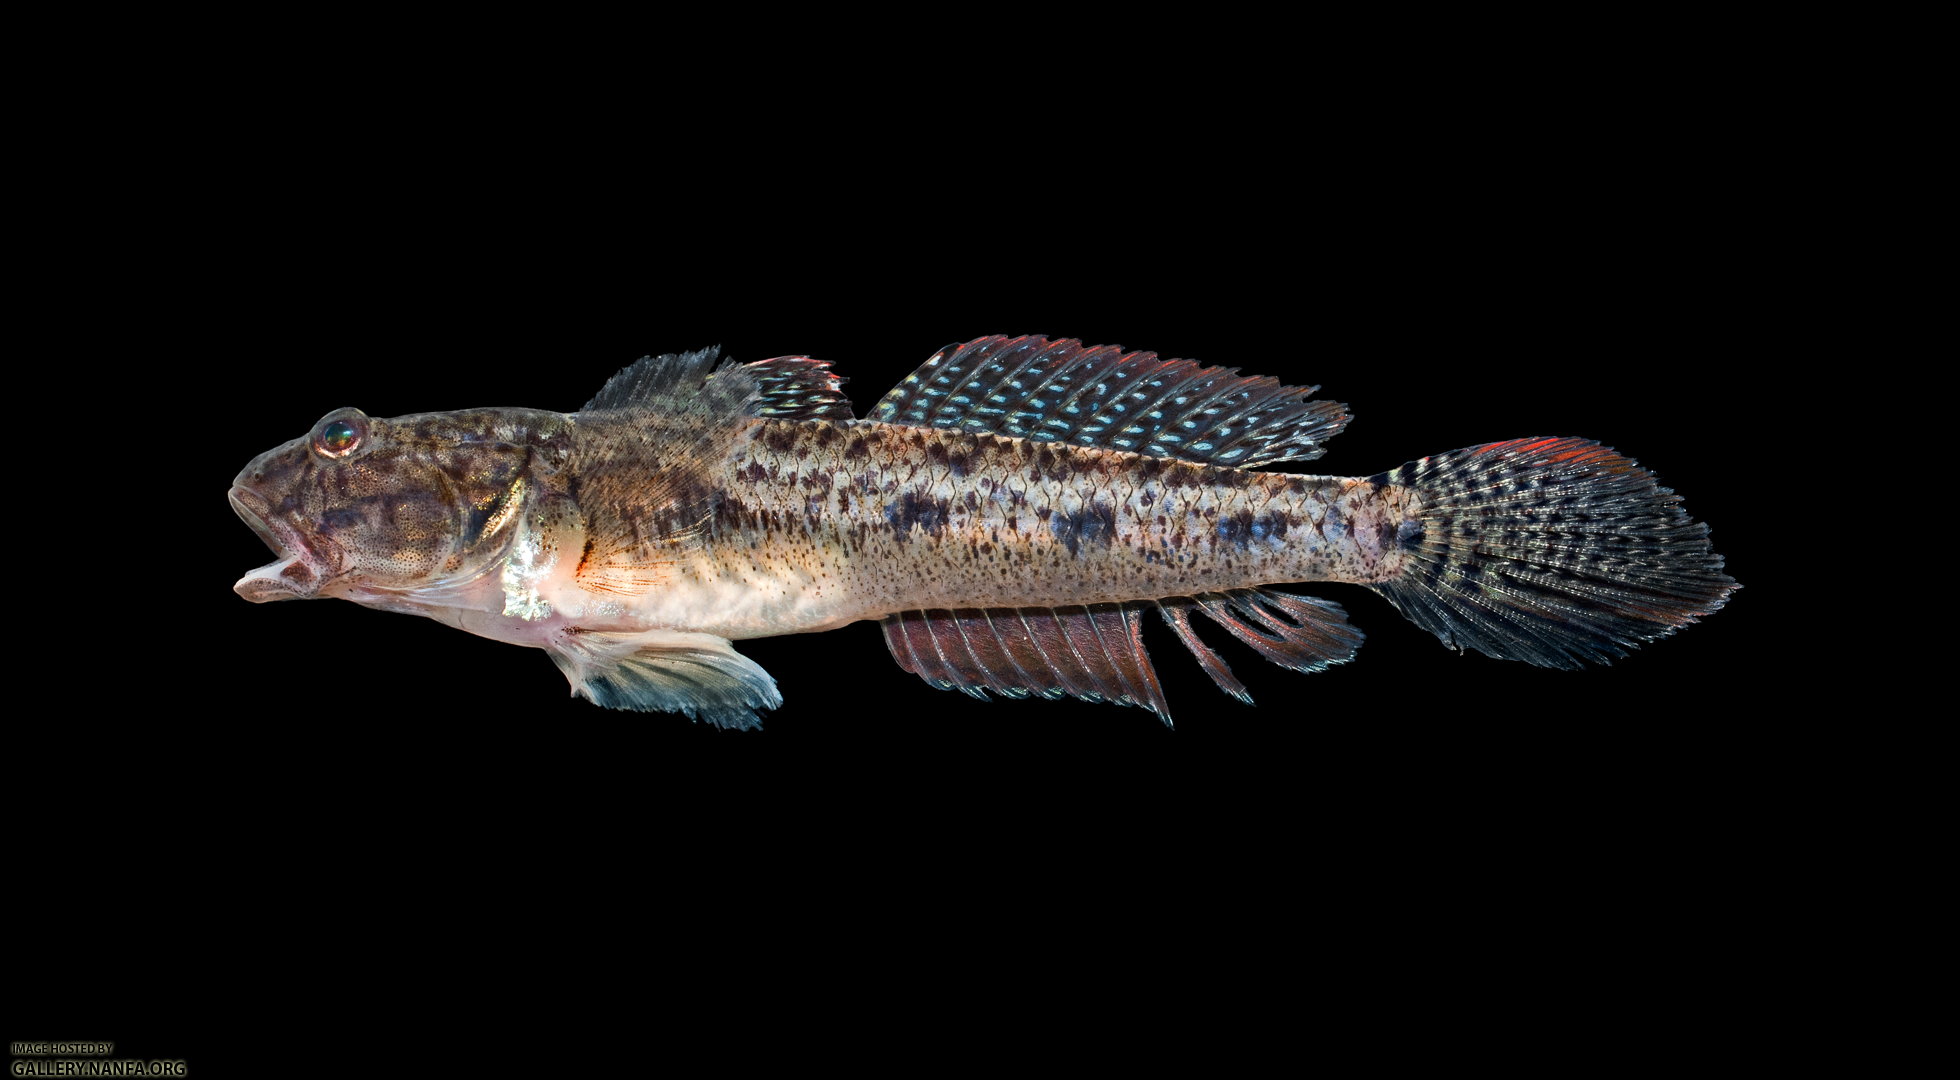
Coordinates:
x,y
363,504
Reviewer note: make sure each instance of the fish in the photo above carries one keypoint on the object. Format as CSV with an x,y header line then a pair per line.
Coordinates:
x,y
1009,514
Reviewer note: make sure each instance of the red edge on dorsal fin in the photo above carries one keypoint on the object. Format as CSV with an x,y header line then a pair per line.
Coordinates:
x,y
798,388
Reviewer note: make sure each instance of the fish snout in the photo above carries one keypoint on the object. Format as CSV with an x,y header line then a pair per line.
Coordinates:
x,y
254,511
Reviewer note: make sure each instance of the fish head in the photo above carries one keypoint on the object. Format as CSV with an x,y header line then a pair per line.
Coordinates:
x,y
362,507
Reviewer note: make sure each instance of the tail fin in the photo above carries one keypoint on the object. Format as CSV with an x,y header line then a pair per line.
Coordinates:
x,y
1550,551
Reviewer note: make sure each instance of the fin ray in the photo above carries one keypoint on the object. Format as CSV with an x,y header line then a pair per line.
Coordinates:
x,y
1096,652
798,388
698,675
1553,551
1321,638
1176,611
1060,391
1093,653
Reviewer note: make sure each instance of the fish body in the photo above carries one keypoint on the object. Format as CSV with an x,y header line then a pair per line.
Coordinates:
x,y
1009,513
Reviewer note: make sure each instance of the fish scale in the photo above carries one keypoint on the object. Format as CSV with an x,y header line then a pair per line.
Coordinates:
x,y
1036,534
1010,513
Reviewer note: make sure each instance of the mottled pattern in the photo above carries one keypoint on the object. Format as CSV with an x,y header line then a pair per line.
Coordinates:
x,y
1551,551
645,479
419,497
882,518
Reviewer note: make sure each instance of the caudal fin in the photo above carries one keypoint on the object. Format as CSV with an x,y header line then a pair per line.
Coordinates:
x,y
1551,551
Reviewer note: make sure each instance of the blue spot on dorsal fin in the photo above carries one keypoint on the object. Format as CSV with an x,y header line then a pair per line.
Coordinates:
x,y
1051,390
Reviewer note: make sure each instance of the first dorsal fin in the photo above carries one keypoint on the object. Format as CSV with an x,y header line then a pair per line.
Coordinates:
x,y
783,388
641,464
1060,391
644,449
656,380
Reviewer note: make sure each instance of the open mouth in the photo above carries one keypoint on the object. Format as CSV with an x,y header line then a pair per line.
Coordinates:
x,y
293,576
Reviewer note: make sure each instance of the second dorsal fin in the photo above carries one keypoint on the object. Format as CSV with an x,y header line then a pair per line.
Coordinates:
x,y
1060,391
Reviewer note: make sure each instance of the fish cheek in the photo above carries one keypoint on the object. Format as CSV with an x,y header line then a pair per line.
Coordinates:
x,y
394,540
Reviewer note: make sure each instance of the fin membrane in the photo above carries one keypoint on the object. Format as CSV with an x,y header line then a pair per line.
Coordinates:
x,y
698,675
1551,551
799,388
1296,632
786,387
656,380
1096,652
1060,391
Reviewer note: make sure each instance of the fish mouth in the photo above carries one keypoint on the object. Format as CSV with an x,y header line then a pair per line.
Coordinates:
x,y
256,512
296,575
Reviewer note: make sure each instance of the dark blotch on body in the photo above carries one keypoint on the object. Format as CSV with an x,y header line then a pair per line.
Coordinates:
x,y
343,518
1094,523
1237,529
911,509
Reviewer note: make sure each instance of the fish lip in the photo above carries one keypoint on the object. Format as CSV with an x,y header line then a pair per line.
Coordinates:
x,y
256,513
295,575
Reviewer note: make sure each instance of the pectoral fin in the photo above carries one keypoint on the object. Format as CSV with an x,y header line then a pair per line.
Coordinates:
x,y
666,671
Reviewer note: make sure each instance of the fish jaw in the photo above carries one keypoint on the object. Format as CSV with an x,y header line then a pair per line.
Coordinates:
x,y
299,574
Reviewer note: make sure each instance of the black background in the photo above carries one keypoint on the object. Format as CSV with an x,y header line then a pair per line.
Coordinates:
x,y
1456,277
1542,341
1521,313
1449,303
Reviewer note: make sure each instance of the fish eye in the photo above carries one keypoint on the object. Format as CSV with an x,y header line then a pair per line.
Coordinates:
x,y
338,438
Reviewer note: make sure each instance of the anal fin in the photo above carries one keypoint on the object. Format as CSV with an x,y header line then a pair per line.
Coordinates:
x,y
699,675
1094,653
1296,632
